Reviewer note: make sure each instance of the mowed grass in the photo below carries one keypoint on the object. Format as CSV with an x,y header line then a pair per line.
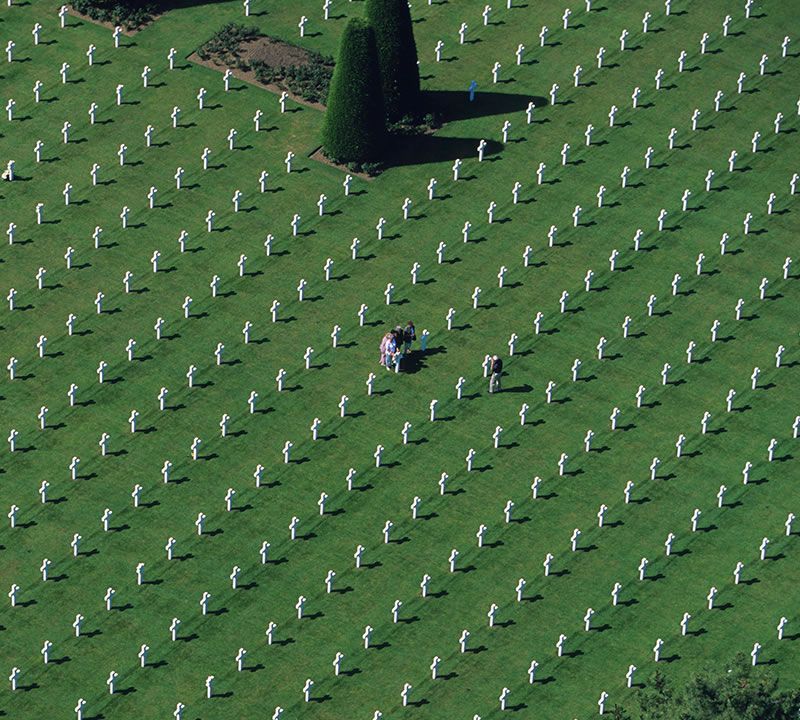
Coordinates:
x,y
596,661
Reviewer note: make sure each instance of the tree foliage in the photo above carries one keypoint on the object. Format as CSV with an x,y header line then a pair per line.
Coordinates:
x,y
397,56
735,691
355,121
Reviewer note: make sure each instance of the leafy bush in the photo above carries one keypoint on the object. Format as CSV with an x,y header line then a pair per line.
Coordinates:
x,y
415,125
130,14
310,82
432,121
372,168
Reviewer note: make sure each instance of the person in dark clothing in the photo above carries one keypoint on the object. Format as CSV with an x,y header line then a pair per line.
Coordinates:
x,y
497,374
409,335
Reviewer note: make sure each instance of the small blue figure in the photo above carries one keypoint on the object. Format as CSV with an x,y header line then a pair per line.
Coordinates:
x,y
473,86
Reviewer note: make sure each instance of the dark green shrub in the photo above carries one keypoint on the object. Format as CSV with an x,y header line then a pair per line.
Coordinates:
x,y
372,168
397,56
432,120
355,122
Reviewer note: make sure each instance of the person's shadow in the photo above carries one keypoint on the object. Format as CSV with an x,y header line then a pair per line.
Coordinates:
x,y
418,360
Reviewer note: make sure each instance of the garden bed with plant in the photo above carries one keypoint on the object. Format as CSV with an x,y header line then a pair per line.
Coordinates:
x,y
268,61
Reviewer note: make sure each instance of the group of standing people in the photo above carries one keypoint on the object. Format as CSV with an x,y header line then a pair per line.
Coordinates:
x,y
395,344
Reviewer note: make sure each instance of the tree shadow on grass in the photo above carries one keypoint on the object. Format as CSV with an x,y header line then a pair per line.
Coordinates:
x,y
449,106
452,105
423,149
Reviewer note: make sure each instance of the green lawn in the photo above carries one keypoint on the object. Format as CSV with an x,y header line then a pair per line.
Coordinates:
x,y
566,687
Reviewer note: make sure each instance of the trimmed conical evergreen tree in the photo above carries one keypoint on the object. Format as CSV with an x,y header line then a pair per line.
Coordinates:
x,y
355,120
397,56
